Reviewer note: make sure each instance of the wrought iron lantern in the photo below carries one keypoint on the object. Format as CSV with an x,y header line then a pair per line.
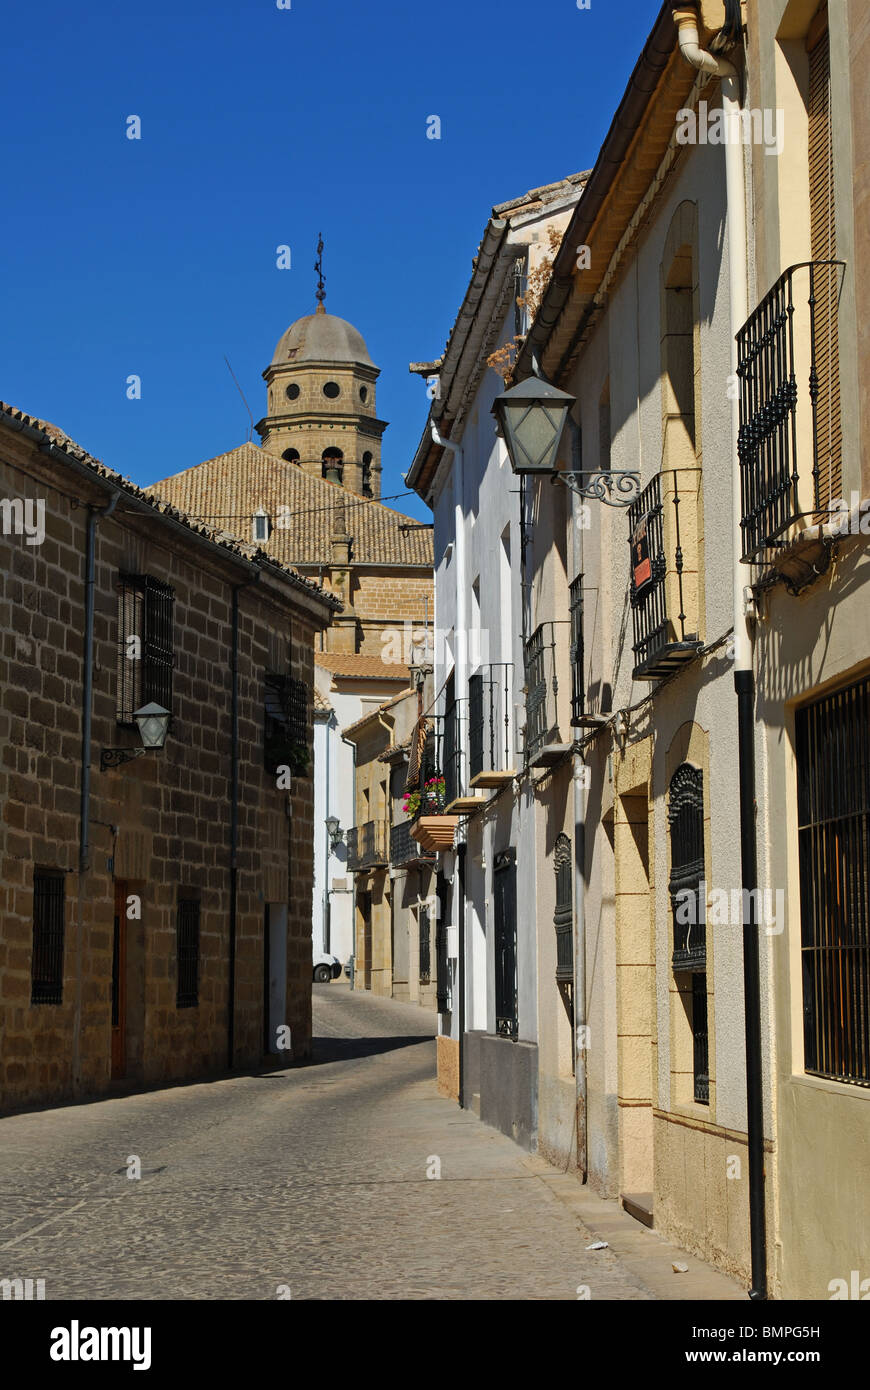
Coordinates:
x,y
152,721
531,417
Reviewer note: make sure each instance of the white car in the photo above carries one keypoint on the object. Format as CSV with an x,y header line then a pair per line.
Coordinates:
x,y
326,967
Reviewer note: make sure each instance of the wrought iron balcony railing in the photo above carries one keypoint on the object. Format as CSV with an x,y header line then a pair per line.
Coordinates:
x,y
548,708
460,797
490,757
789,441
405,851
368,845
663,537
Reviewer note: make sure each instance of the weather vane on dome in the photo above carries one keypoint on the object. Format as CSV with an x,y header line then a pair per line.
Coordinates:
x,y
318,266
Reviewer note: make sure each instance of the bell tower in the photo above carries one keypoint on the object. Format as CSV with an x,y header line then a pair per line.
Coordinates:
x,y
321,400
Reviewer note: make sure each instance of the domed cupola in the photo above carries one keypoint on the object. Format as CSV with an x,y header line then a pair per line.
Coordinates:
x,y
321,401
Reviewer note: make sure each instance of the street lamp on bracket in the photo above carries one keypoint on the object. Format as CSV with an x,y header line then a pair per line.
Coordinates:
x,y
532,418
152,721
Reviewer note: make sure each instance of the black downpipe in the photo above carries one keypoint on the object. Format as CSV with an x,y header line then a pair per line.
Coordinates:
x,y
94,515
234,817
744,685
460,908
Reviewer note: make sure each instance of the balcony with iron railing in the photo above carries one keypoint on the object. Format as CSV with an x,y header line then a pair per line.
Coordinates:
x,y
789,444
549,711
368,845
490,747
405,851
663,537
460,796
428,822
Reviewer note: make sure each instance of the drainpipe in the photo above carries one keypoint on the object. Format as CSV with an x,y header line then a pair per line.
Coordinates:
x,y
234,815
352,747
686,20
94,516
460,661
579,783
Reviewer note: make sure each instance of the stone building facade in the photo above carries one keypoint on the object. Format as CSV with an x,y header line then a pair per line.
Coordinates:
x,y
155,908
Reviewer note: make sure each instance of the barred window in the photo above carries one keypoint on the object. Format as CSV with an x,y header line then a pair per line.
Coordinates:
x,y
686,820
145,644
833,786
187,949
563,917
285,724
46,970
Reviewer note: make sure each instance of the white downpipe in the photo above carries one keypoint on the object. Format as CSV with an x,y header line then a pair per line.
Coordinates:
x,y
699,58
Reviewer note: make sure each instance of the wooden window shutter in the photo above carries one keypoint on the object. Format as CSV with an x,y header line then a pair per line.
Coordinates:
x,y
823,247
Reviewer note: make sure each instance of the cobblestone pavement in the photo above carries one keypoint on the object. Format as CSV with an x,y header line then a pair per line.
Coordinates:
x,y
313,1178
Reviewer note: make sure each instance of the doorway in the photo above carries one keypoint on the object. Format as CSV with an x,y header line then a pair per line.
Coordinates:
x,y
274,974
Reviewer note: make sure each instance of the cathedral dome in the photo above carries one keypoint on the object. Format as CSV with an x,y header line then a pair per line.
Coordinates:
x,y
322,337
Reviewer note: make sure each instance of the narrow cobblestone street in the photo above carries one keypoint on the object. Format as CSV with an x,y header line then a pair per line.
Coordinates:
x,y
313,1178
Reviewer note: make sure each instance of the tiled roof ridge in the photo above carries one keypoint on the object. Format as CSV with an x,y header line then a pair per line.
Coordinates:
x,y
224,540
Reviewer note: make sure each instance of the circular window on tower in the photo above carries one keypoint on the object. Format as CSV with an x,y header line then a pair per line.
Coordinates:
x,y
363,393
332,389
292,391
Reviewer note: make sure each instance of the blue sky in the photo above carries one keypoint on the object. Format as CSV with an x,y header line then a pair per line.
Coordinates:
x,y
261,126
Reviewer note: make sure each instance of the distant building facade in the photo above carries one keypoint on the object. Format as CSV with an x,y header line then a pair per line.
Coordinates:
x,y
309,497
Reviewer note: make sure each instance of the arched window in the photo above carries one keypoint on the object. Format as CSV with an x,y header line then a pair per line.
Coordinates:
x,y
563,917
686,821
688,902
367,474
291,455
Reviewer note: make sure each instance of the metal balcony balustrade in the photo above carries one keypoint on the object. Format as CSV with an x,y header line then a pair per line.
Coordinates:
x,y
658,584
404,851
490,759
368,845
548,710
460,798
782,476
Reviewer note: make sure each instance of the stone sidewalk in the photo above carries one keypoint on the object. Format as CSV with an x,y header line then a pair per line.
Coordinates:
x,y
314,1183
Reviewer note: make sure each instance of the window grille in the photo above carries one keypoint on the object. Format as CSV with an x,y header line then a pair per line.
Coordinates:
x,y
700,1039
563,917
833,784
576,613
442,965
46,970
285,724
505,914
145,665
686,820
187,946
425,946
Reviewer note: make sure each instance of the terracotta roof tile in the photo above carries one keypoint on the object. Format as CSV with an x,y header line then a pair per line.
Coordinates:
x,y
358,666
229,489
162,505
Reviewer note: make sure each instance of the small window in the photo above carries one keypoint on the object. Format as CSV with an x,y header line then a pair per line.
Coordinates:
x,y
145,644
285,726
332,389
363,393
262,528
292,392
291,455
367,474
332,460
46,970
187,949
